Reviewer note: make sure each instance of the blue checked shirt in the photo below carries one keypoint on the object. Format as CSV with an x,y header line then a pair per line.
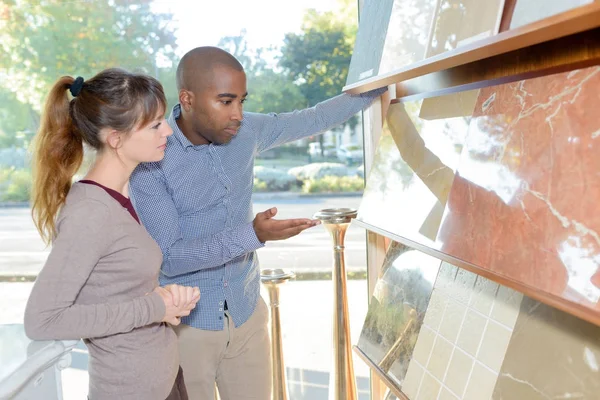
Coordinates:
x,y
197,204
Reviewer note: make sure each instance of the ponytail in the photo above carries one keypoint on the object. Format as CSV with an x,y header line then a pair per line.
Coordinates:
x,y
114,99
58,154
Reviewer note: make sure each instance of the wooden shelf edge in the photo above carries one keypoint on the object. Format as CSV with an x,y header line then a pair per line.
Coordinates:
x,y
577,51
564,24
576,309
380,374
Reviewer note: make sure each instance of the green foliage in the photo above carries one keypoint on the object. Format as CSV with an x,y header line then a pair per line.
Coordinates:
x,y
273,180
15,184
42,41
318,170
268,90
273,92
336,184
318,57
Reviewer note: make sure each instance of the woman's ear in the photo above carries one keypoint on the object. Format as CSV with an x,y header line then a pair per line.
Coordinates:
x,y
113,139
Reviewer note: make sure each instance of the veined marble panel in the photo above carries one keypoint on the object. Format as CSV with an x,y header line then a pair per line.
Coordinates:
x,y
408,33
372,30
525,197
459,22
551,355
414,166
528,11
397,309
464,338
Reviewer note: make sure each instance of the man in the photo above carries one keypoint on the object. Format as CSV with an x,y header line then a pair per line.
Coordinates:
x,y
197,204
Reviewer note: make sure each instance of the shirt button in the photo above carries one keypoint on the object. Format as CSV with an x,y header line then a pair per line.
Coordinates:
x,y
225,284
220,303
220,309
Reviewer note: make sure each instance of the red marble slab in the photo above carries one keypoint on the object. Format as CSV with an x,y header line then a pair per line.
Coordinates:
x,y
525,201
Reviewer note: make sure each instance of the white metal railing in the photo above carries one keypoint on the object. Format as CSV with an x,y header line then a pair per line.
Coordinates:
x,y
30,370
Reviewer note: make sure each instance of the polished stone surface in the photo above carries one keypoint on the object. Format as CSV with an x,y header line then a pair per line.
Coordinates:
x,y
551,355
510,185
408,33
372,30
528,11
459,22
413,169
464,337
397,309
523,203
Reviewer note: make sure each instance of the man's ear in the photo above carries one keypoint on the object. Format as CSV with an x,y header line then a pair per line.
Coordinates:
x,y
113,139
186,99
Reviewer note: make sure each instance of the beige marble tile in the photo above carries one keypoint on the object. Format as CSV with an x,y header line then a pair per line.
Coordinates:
x,y
463,286
458,372
506,306
471,332
484,294
440,357
424,345
435,310
493,345
412,380
551,355
452,320
429,389
481,384
446,277
445,394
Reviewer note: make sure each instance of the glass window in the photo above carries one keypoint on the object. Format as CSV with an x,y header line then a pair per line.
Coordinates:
x,y
293,61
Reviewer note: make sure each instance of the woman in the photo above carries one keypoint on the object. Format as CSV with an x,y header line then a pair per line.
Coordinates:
x,y
100,280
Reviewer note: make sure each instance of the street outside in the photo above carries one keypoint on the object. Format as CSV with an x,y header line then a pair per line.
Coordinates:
x,y
306,305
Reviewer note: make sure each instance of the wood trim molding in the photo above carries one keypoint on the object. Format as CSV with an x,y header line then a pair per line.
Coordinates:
x,y
564,24
507,14
568,53
380,374
562,304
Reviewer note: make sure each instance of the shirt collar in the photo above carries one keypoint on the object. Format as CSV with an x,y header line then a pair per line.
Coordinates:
x,y
175,114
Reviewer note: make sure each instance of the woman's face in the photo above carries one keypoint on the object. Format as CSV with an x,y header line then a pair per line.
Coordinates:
x,y
147,143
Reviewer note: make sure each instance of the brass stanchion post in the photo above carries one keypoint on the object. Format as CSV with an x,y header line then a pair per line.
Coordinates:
x,y
271,279
342,385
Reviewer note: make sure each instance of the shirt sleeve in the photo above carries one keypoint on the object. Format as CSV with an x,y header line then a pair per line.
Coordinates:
x,y
273,130
158,212
83,238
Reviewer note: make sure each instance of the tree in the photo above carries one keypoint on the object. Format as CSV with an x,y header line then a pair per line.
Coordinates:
x,y
318,57
42,41
268,90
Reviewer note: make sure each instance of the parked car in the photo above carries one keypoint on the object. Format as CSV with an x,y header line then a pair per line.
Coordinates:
x,y
314,152
350,154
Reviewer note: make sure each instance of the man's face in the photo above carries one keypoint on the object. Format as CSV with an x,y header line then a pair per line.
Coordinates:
x,y
216,108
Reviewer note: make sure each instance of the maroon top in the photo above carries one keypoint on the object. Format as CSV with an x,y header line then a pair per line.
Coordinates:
x,y
124,201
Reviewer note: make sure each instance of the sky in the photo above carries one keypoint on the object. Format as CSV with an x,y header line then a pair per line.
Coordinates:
x,y
204,22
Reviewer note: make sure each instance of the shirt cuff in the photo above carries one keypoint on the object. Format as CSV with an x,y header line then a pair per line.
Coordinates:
x,y
375,92
251,241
